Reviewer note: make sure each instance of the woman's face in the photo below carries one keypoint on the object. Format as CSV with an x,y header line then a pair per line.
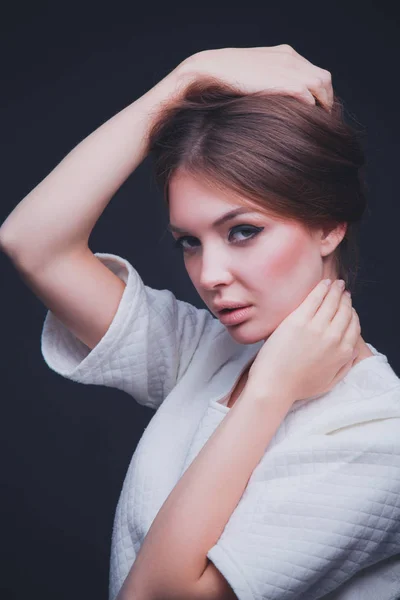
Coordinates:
x,y
251,259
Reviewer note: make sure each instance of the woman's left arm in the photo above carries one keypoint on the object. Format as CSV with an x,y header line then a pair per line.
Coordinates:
x,y
173,557
172,562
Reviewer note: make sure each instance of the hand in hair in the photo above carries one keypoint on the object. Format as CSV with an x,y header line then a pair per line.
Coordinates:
x,y
311,350
276,69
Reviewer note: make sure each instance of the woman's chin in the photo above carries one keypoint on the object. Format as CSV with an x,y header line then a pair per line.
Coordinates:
x,y
245,334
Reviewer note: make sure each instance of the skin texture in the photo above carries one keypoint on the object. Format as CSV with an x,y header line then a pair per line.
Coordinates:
x,y
273,270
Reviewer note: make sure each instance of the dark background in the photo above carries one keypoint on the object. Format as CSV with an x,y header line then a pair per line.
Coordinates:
x,y
66,69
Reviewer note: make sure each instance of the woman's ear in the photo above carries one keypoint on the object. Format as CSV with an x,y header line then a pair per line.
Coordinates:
x,y
330,238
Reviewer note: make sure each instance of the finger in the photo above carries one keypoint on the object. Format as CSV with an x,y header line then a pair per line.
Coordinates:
x,y
321,94
317,80
329,307
342,319
297,89
308,308
305,95
314,80
353,331
327,82
321,87
315,87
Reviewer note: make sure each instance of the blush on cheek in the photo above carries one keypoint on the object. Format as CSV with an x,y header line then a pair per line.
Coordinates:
x,y
285,257
290,269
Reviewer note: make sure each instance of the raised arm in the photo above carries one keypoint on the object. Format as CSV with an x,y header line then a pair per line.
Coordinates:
x,y
46,235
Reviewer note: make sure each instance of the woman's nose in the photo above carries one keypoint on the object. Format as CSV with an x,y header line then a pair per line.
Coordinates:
x,y
213,273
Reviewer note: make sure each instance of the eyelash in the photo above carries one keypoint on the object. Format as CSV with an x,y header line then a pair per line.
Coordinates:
x,y
254,230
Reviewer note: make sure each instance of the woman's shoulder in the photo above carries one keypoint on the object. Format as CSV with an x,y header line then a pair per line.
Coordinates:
x,y
372,374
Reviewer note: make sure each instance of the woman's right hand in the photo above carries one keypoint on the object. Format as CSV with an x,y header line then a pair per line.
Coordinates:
x,y
275,69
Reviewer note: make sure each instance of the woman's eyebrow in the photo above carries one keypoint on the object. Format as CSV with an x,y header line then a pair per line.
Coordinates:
x,y
220,221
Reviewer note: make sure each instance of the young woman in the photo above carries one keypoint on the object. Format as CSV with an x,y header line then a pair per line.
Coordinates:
x,y
271,468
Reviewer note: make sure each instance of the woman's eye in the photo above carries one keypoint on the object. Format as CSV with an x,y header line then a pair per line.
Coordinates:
x,y
249,233
245,230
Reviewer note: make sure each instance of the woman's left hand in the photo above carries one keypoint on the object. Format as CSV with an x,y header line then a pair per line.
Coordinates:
x,y
311,350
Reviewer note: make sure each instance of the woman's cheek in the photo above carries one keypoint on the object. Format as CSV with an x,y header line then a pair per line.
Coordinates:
x,y
289,272
282,260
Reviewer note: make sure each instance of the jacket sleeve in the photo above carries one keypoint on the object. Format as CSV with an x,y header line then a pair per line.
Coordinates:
x,y
148,347
315,512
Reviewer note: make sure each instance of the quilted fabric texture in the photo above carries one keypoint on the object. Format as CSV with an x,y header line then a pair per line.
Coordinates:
x,y
146,350
320,516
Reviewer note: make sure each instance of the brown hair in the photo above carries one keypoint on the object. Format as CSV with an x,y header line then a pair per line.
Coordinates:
x,y
294,160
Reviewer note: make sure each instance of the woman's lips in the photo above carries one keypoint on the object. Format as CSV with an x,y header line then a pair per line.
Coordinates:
x,y
233,317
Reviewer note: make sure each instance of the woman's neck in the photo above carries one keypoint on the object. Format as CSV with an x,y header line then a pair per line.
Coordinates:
x,y
363,349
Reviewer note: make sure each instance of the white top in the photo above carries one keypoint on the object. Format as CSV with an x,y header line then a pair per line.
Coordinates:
x,y
322,504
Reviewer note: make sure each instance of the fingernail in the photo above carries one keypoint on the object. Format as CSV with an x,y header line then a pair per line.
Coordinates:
x,y
327,281
348,293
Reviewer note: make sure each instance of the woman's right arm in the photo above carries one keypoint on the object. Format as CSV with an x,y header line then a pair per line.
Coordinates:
x,y
58,215
46,235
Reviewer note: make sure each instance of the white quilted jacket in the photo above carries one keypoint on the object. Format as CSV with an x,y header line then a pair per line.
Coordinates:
x,y
320,517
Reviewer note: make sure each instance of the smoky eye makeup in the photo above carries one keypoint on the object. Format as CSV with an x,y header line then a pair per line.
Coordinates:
x,y
249,232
